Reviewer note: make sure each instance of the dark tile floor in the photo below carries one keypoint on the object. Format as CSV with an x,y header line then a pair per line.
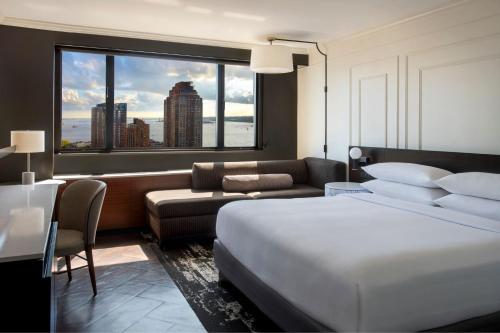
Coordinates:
x,y
135,293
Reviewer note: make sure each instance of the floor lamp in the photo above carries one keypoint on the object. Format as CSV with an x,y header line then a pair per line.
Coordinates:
x,y
277,59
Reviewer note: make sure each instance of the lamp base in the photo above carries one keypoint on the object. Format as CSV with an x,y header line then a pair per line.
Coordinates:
x,y
28,178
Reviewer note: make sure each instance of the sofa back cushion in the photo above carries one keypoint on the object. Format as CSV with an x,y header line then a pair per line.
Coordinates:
x,y
208,176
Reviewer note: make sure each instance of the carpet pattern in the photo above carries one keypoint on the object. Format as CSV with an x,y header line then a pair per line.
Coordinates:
x,y
220,309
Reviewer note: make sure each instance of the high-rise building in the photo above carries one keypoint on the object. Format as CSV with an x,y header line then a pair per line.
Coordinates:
x,y
98,126
138,134
120,125
183,117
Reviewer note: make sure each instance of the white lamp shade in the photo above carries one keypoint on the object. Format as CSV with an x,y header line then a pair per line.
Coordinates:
x,y
28,141
271,59
355,153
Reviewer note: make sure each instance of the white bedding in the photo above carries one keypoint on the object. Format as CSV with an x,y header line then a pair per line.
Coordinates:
x,y
363,262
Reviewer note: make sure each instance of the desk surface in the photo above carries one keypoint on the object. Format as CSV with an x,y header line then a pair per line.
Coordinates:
x,y
25,219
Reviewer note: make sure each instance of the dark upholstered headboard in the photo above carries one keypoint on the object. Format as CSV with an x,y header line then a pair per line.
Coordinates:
x,y
454,162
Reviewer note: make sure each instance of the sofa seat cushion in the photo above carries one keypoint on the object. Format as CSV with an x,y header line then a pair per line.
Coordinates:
x,y
188,202
296,191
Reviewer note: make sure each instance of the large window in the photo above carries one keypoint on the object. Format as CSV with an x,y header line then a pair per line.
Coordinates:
x,y
83,90
128,101
239,110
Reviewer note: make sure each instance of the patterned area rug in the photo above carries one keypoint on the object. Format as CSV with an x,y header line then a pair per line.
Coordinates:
x,y
220,309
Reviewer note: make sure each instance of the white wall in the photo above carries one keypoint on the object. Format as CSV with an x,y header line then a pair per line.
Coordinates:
x,y
431,82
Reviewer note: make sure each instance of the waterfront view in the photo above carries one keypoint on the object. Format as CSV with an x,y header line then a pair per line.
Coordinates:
x,y
76,132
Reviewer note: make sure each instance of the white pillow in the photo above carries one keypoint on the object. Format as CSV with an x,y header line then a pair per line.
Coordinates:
x,y
406,173
478,184
476,206
423,195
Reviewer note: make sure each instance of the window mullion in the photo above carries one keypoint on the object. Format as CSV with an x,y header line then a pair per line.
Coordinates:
x,y
220,105
259,107
58,101
110,101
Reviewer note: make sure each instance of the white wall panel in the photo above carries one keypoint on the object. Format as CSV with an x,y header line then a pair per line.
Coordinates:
x,y
453,99
373,111
374,104
431,83
459,112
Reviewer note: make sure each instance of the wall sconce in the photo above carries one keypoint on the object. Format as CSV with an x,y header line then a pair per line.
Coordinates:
x,y
357,157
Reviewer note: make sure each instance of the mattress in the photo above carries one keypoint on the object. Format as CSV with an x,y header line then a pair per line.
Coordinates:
x,y
361,262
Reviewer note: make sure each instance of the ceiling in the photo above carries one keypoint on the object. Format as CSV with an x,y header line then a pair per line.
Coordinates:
x,y
240,21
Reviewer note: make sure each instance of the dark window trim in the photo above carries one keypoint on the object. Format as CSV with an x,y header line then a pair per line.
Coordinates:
x,y
151,54
259,106
57,99
154,150
110,53
221,105
110,103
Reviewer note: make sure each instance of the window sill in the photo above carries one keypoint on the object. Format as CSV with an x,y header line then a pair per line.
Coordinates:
x,y
121,175
157,151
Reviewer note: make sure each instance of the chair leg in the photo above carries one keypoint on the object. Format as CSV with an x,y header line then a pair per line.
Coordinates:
x,y
90,260
68,267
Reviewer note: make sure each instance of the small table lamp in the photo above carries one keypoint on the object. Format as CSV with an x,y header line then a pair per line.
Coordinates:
x,y
28,142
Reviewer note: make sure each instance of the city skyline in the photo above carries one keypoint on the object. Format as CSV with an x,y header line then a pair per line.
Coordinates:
x,y
142,82
238,132
182,119
120,125
182,122
98,126
243,112
138,134
135,134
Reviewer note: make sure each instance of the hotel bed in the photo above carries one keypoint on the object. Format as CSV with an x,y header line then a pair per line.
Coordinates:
x,y
362,262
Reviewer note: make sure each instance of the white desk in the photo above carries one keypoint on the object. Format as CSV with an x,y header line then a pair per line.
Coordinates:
x,y
25,220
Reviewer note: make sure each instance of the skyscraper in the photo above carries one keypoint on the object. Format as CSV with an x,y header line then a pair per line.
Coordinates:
x,y
138,134
183,117
98,126
120,125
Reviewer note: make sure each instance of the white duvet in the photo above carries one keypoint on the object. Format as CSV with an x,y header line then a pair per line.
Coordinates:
x,y
363,262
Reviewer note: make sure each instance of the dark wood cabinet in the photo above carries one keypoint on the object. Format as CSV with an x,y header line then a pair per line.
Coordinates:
x,y
28,295
27,245
124,203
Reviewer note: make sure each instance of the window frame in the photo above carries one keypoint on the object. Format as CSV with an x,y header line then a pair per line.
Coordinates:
x,y
110,54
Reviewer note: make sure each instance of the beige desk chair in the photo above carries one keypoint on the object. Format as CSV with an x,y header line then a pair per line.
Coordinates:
x,y
79,211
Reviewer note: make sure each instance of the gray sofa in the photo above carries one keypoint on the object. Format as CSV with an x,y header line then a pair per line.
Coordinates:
x,y
189,212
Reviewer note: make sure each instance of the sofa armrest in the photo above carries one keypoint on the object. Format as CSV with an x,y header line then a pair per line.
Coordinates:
x,y
322,171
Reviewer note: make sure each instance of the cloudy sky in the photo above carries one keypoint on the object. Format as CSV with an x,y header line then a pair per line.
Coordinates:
x,y
144,83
